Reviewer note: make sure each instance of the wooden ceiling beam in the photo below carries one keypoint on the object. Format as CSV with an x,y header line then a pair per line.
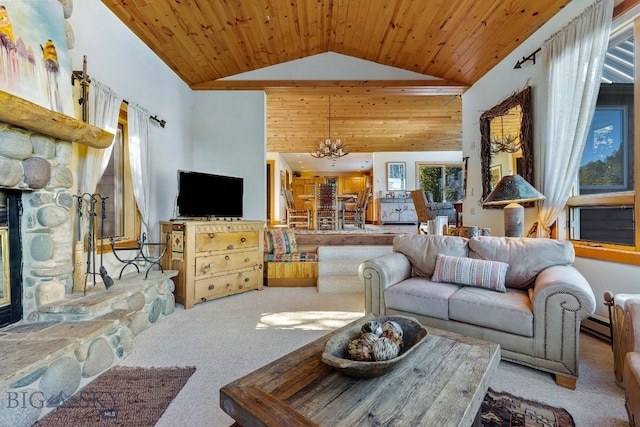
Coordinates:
x,y
398,87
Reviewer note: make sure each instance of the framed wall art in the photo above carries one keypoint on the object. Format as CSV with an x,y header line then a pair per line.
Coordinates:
x,y
396,176
34,60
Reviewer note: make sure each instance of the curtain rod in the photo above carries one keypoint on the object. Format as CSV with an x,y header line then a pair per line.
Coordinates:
x,y
154,118
85,80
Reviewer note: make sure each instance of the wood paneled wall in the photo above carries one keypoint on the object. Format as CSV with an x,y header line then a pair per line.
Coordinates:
x,y
367,123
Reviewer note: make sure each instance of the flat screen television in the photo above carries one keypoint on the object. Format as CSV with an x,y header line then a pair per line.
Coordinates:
x,y
208,195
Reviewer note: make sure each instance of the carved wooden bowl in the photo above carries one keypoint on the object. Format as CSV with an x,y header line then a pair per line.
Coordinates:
x,y
335,348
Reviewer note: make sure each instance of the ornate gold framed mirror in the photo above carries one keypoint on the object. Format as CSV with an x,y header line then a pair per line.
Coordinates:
x,y
506,140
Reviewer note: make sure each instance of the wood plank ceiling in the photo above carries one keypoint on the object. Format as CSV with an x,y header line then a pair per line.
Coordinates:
x,y
458,41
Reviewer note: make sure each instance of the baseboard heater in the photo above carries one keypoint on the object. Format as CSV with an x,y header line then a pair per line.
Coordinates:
x,y
597,326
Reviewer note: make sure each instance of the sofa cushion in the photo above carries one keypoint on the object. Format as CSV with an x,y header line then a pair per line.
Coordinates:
x,y
280,241
422,250
471,272
526,256
508,312
421,296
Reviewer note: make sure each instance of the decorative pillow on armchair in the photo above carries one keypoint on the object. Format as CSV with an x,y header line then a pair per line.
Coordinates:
x,y
471,272
280,241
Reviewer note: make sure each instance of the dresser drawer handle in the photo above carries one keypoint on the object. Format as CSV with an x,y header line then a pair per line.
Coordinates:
x,y
226,258
246,279
212,287
230,247
244,239
212,235
247,259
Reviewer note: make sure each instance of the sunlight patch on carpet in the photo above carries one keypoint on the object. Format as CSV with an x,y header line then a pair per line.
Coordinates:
x,y
307,320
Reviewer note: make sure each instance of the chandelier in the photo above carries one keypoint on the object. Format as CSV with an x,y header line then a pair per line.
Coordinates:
x,y
327,148
506,144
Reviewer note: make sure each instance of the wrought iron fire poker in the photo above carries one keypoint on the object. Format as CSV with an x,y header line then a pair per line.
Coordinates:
x,y
106,279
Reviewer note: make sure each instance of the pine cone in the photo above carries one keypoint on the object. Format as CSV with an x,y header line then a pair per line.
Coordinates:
x,y
373,326
394,326
385,349
359,349
369,338
393,336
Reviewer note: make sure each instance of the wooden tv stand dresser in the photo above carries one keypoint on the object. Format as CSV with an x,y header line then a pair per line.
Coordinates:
x,y
214,258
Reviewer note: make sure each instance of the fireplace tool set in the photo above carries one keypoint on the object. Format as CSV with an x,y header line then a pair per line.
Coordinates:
x,y
142,252
90,271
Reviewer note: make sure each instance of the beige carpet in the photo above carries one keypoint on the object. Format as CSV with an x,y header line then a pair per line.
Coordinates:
x,y
233,336
122,396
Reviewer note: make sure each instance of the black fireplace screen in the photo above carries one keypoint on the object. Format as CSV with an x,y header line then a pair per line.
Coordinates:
x,y
10,257
5,296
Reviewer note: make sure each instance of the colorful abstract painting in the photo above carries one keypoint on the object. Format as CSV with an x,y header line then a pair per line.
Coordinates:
x,y
34,60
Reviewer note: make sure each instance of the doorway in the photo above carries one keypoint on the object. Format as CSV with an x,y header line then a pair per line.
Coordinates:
x,y
270,191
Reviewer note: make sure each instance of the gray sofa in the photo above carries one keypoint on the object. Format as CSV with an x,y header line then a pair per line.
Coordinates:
x,y
535,318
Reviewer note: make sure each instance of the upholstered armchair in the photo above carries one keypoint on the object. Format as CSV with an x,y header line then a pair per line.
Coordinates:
x,y
427,209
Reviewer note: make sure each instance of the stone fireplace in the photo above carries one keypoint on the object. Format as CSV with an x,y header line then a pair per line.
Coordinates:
x,y
35,157
61,339
38,166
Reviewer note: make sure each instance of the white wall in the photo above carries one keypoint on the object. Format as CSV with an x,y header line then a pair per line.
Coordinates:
x,y
501,82
228,133
118,59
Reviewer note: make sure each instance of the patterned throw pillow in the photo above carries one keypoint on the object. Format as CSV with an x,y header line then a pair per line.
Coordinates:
x,y
281,241
268,246
471,272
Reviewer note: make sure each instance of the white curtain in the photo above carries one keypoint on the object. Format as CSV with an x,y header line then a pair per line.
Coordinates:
x,y
572,63
138,127
104,109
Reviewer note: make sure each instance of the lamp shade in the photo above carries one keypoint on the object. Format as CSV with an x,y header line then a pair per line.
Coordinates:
x,y
512,189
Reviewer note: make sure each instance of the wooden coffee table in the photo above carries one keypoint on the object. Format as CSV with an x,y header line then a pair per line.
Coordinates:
x,y
441,384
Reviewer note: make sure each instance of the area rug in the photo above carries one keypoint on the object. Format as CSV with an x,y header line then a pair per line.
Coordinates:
x,y
501,409
126,396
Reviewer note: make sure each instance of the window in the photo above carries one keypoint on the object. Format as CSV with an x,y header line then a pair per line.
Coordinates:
x,y
444,182
603,209
122,219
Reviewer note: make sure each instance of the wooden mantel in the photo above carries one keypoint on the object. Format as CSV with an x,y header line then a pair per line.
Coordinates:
x,y
22,113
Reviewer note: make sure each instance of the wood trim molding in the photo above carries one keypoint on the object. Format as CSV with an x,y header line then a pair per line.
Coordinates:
x,y
620,198
623,7
586,250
